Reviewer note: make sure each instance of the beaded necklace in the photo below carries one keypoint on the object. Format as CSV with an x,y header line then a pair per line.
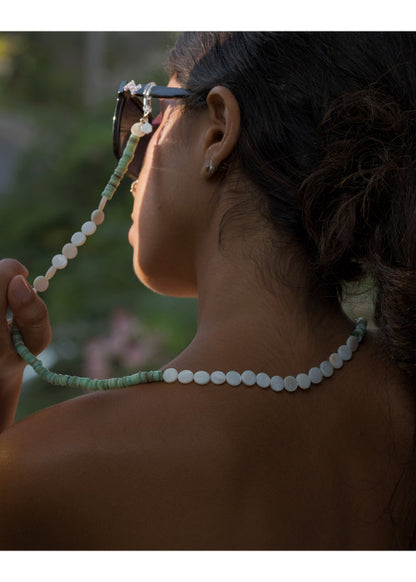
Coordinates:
x,y
233,378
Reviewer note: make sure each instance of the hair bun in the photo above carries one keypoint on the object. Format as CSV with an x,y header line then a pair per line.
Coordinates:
x,y
349,199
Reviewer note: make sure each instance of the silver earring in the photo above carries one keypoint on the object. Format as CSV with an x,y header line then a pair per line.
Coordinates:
x,y
132,186
210,168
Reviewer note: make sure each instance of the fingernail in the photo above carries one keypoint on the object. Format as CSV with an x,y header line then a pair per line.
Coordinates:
x,y
22,290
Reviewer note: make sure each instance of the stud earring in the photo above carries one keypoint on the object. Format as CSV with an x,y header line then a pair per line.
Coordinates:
x,y
210,168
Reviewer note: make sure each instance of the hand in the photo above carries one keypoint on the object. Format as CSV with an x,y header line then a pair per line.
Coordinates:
x,y
30,314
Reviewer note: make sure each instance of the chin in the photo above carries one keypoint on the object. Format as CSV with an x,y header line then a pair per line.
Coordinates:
x,y
170,286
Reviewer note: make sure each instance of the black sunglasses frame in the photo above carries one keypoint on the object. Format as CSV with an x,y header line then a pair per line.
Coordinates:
x,y
120,134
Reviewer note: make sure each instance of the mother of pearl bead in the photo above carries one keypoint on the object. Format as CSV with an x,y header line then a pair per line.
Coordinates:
x,y
248,378
40,284
78,239
88,228
304,381
263,380
315,374
233,378
97,216
59,261
290,383
185,376
201,377
170,375
69,251
218,377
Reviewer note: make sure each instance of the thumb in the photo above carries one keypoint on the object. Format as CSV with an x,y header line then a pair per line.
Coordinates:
x,y
30,314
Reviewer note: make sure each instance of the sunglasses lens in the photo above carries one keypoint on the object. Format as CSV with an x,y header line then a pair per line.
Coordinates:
x,y
129,112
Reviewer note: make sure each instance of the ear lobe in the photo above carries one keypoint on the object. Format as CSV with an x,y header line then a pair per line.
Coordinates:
x,y
223,127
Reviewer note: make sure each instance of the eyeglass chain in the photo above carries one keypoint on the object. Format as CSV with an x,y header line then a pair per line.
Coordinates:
x,y
248,378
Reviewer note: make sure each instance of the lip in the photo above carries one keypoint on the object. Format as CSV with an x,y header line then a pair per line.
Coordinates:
x,y
130,235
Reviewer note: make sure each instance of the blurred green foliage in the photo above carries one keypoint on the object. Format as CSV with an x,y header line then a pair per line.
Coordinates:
x,y
57,95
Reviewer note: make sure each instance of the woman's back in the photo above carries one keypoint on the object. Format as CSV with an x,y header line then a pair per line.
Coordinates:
x,y
281,172
213,467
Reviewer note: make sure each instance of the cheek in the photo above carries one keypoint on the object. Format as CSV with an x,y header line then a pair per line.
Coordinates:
x,y
163,249
158,190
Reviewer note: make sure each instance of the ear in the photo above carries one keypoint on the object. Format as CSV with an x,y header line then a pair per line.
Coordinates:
x,y
222,130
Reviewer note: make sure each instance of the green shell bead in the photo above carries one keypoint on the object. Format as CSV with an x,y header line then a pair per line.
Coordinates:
x,y
141,377
79,381
121,167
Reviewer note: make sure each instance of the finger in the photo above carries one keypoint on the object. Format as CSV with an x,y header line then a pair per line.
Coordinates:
x,y
30,314
9,268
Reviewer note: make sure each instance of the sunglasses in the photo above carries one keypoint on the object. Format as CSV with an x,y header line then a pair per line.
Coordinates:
x,y
134,103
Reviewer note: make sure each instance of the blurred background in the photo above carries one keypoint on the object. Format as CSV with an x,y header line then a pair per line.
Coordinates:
x,y
57,97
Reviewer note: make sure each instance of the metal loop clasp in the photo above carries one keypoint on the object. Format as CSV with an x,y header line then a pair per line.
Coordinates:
x,y
147,100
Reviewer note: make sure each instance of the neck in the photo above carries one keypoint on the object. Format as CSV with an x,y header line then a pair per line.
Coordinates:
x,y
243,324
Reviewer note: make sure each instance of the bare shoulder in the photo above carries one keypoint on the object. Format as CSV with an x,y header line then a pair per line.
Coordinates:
x,y
96,471
36,454
216,467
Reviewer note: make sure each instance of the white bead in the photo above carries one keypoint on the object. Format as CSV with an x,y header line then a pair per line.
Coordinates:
x,y
170,375
97,217
146,128
78,239
201,377
218,377
327,369
59,262
248,378
233,378
136,129
277,383
336,361
88,228
50,272
141,129
69,251
40,284
353,343
263,380
185,376
303,381
345,352
315,374
290,383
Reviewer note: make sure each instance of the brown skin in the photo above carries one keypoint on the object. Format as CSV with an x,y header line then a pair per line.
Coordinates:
x,y
214,467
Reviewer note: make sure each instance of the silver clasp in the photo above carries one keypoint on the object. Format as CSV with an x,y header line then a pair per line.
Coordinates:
x,y
147,100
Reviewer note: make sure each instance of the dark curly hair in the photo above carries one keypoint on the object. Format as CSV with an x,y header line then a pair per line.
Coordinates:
x,y
328,137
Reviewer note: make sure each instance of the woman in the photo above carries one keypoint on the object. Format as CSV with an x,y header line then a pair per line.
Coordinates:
x,y
286,173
